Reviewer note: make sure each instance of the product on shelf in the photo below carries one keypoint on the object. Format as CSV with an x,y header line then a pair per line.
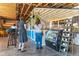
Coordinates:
x,y
66,37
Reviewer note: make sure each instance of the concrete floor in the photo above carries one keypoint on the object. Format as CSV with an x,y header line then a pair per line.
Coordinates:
x,y
30,50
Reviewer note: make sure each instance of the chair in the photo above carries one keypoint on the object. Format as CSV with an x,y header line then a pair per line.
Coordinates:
x,y
12,36
2,33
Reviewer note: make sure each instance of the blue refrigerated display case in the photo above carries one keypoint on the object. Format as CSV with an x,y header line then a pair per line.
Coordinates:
x,y
53,38
31,34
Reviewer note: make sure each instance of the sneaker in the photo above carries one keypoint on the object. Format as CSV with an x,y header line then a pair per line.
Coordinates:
x,y
37,48
19,49
41,47
23,50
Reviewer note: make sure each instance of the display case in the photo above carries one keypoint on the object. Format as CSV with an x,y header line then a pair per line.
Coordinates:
x,y
53,38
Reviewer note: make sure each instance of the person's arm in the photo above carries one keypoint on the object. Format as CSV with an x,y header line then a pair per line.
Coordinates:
x,y
41,27
25,26
34,26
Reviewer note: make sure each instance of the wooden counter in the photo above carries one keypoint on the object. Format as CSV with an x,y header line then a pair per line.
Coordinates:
x,y
3,33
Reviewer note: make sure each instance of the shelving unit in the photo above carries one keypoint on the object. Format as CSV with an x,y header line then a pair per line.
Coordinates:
x,y
66,41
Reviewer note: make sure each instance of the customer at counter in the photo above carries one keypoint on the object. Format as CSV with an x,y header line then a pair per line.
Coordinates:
x,y
38,34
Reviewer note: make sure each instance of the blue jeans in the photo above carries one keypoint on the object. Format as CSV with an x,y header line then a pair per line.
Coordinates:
x,y
39,40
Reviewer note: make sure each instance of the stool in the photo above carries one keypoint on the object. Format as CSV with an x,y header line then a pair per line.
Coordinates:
x,y
2,33
11,40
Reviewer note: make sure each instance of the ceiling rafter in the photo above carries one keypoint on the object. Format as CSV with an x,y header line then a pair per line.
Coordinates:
x,y
67,5
64,5
54,4
61,4
38,5
67,15
49,11
55,14
27,9
46,5
54,11
22,10
35,7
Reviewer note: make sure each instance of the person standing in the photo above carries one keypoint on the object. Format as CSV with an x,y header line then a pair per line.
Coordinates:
x,y
14,26
22,34
38,34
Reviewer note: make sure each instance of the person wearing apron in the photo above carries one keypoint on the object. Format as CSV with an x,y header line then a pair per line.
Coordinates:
x,y
22,34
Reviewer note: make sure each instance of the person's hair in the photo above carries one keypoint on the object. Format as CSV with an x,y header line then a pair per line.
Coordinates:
x,y
38,21
14,24
22,17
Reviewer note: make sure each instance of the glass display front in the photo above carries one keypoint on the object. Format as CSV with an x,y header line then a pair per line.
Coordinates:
x,y
51,35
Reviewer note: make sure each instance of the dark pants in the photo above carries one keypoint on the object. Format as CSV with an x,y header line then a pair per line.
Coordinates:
x,y
39,40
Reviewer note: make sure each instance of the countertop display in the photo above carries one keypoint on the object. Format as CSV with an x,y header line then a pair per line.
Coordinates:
x,y
53,38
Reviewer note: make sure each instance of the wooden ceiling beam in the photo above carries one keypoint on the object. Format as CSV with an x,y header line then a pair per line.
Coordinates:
x,y
56,15
35,7
38,5
64,5
45,4
22,9
68,5
27,17
54,4
76,4
61,4
27,9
